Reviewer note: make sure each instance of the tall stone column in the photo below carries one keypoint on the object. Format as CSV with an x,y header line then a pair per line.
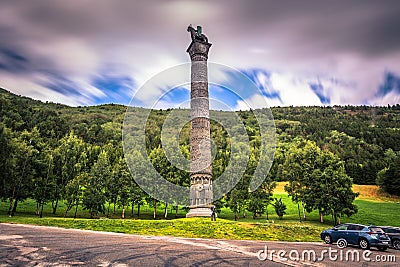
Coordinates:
x,y
201,196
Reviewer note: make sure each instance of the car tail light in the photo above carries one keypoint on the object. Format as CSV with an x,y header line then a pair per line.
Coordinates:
x,y
373,234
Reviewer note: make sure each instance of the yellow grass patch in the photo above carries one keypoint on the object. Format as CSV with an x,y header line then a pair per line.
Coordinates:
x,y
368,192
373,192
280,188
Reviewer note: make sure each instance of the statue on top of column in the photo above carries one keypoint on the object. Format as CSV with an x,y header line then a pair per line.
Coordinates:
x,y
197,34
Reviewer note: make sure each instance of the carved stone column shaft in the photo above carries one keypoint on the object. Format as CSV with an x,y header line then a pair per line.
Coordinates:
x,y
200,144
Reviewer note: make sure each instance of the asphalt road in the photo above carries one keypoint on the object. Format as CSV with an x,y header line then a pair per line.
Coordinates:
x,y
26,245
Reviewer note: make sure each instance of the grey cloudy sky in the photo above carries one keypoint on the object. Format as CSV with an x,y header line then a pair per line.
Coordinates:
x,y
307,52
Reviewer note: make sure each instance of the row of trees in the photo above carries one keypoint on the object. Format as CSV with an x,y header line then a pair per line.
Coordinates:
x,y
317,180
69,170
79,173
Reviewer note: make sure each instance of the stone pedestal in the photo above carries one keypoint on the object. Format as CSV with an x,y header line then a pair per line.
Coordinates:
x,y
201,195
199,212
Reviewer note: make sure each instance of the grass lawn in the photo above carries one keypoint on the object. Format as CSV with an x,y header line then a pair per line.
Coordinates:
x,y
374,208
186,227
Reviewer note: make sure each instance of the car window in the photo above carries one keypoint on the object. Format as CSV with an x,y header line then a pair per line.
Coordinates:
x,y
376,230
352,227
342,227
355,227
391,230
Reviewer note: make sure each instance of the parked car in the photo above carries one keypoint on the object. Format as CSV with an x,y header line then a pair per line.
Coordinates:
x,y
394,234
357,234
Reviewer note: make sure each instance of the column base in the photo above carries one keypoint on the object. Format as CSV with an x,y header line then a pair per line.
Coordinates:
x,y
199,212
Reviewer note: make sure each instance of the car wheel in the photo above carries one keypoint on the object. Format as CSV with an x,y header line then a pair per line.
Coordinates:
x,y
382,248
328,239
363,243
342,243
396,244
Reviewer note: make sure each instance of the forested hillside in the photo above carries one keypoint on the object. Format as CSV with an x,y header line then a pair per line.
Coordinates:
x,y
52,152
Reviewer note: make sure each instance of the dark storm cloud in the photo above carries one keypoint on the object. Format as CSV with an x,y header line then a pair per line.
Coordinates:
x,y
104,21
314,26
366,26
353,41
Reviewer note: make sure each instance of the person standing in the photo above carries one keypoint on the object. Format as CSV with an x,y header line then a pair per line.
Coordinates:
x,y
213,213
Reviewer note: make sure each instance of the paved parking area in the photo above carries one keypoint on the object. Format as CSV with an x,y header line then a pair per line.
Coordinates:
x,y
27,245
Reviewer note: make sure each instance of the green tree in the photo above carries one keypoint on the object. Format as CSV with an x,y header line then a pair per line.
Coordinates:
x,y
70,150
293,170
74,192
261,198
136,197
169,172
7,160
42,187
280,208
331,188
23,174
124,180
257,202
74,188
388,179
236,201
94,196
318,179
